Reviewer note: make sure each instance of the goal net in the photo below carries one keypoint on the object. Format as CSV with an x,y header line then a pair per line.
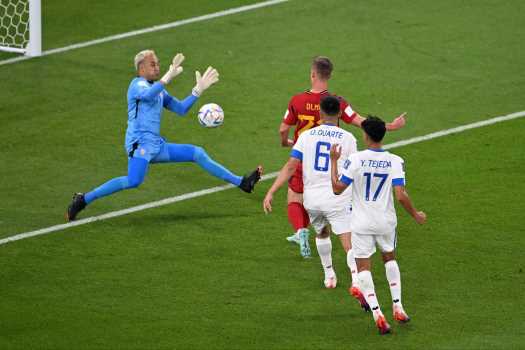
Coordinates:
x,y
20,26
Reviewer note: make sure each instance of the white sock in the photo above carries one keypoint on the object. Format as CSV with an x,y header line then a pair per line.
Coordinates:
x,y
394,280
324,248
350,261
367,288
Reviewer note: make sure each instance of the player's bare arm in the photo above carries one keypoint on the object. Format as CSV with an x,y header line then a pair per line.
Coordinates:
x,y
396,124
284,175
404,199
337,186
284,130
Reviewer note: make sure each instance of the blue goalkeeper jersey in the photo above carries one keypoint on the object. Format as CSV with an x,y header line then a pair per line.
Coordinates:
x,y
146,100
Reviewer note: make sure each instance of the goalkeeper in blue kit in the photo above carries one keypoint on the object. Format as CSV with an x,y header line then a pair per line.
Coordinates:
x,y
144,145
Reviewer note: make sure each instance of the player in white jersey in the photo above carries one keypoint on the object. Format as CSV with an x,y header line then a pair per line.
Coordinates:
x,y
324,208
374,173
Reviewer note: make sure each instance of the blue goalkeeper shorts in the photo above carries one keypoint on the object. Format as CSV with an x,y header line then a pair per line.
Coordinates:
x,y
164,152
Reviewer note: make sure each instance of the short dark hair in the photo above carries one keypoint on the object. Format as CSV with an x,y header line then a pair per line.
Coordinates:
x,y
330,106
323,67
374,127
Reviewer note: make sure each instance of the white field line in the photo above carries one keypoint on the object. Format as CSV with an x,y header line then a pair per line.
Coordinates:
x,y
226,187
150,29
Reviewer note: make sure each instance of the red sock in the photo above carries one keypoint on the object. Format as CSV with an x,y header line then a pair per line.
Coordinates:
x,y
297,216
306,217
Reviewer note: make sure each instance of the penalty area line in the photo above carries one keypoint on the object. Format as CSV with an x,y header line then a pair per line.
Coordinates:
x,y
207,191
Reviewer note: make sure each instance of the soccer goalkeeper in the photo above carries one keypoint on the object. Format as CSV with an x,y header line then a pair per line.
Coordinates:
x,y
144,145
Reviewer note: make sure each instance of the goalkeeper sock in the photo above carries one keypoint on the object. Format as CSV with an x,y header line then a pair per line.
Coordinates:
x,y
107,188
213,168
137,168
394,280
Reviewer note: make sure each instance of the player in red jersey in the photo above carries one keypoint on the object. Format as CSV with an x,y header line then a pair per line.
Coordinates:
x,y
303,113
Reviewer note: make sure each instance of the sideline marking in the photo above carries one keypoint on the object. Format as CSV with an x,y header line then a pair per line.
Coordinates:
x,y
204,192
148,30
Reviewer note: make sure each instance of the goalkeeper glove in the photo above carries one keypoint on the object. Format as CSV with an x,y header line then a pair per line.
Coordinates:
x,y
210,77
175,69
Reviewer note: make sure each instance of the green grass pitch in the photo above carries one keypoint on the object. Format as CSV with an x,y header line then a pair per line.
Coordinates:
x,y
214,272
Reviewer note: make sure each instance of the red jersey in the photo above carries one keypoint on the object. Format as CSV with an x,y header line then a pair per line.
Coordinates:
x,y
303,111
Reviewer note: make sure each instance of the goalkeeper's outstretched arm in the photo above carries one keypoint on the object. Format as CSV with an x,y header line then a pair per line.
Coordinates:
x,y
147,93
177,106
210,77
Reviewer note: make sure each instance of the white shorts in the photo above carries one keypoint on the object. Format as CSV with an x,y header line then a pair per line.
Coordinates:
x,y
365,245
339,220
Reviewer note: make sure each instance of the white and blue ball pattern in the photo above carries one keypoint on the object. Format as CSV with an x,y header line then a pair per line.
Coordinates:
x,y
211,115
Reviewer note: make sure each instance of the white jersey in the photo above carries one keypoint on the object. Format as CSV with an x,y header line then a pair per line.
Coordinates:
x,y
313,149
372,174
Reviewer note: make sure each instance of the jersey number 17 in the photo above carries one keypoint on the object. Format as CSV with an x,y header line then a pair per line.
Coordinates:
x,y
369,177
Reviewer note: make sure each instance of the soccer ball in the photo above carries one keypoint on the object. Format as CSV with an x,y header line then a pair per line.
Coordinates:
x,y
211,115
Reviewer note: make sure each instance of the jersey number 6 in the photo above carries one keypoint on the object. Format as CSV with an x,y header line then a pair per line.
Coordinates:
x,y
322,156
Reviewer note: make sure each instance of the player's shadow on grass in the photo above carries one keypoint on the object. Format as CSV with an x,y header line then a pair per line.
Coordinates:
x,y
179,217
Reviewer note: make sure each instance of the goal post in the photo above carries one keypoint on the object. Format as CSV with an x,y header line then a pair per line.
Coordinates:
x,y
21,26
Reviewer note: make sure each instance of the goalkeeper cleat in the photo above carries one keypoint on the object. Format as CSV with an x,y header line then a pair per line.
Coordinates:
x,y
248,181
356,293
399,314
76,206
294,239
303,243
330,282
382,325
